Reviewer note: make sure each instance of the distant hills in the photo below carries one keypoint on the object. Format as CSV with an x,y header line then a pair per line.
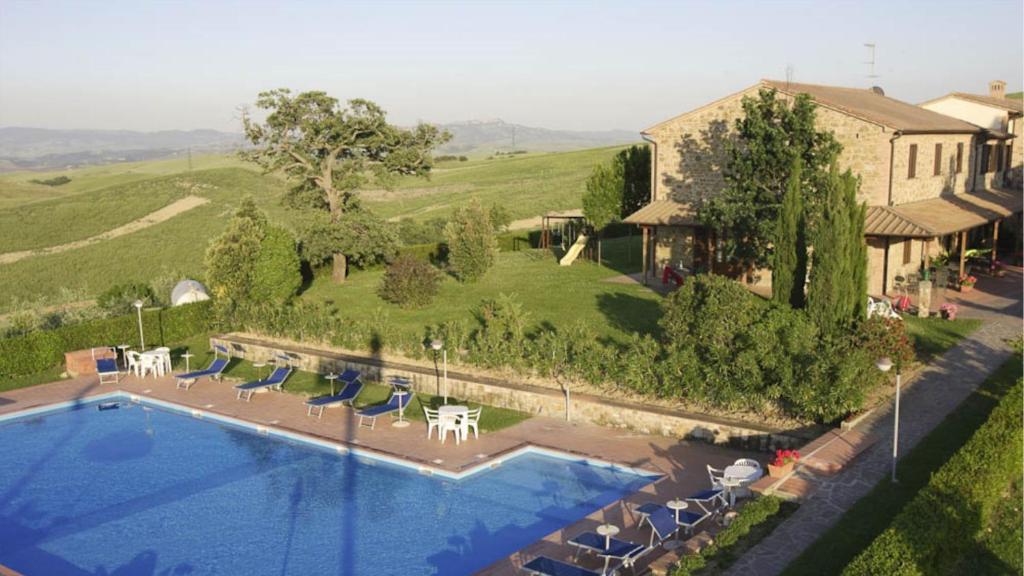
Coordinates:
x,y
490,136
45,149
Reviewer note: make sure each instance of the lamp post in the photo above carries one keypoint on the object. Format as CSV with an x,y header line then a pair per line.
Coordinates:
x,y
439,345
885,364
138,311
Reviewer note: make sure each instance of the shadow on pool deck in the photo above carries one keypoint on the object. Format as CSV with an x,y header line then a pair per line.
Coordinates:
x,y
681,462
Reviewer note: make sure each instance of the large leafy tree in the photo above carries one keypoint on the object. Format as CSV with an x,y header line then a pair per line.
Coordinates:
x,y
617,189
330,151
472,246
770,135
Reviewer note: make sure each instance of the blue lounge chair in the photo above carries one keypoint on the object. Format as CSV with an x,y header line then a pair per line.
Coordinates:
x,y
544,566
276,381
212,371
623,552
689,519
663,525
711,500
106,368
394,402
348,394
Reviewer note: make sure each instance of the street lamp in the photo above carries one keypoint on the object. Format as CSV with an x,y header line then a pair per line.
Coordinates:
x,y
885,364
439,345
138,310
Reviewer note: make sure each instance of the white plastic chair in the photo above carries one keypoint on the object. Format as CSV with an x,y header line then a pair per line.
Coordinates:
x,y
470,420
134,362
433,421
449,424
717,477
748,462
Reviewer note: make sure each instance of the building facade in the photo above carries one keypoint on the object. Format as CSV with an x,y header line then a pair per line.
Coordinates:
x,y
911,161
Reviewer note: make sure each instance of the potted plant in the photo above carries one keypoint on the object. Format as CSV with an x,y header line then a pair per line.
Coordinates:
x,y
783,463
948,311
967,283
996,269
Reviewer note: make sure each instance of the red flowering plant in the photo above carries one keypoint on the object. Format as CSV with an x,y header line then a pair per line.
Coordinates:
x,y
783,457
968,280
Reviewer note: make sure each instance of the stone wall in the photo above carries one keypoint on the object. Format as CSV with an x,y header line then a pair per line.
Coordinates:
x,y
534,399
926,184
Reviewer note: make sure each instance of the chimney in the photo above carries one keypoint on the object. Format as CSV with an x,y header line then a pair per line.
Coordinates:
x,y
997,89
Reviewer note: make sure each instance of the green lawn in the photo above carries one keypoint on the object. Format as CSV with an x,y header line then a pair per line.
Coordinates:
x,y
933,336
310,384
550,293
873,513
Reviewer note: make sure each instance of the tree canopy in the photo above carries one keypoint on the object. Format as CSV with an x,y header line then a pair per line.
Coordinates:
x,y
770,135
330,151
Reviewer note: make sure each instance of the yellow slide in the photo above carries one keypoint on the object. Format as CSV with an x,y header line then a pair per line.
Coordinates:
x,y
574,251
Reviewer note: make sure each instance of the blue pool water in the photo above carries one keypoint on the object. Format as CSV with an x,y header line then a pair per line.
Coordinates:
x,y
145,490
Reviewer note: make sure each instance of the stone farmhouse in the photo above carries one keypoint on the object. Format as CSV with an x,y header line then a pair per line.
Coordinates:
x,y
932,182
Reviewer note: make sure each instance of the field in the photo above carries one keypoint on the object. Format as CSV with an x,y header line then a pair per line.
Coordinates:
x,y
101,198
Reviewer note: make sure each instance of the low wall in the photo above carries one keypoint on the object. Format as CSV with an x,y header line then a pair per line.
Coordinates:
x,y
528,398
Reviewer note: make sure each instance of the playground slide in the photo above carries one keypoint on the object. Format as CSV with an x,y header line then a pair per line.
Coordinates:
x,y
574,251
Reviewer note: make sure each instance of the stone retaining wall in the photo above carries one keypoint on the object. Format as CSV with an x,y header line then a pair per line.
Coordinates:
x,y
528,398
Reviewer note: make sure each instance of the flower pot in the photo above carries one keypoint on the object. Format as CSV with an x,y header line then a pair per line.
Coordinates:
x,y
949,315
965,289
780,471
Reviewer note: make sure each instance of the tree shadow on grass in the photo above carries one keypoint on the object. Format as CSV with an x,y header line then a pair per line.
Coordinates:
x,y
630,313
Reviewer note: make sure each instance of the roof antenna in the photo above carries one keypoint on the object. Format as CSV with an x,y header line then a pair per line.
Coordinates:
x,y
789,75
871,46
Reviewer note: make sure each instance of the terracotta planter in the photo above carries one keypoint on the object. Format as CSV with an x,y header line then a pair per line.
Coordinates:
x,y
949,315
966,289
780,471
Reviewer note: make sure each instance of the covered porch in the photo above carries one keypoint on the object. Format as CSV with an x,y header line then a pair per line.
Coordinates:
x,y
954,236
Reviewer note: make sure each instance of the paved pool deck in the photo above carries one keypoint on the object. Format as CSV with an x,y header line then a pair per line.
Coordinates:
x,y
683,463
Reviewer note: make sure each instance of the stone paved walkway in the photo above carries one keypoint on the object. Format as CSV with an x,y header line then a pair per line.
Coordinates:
x,y
938,390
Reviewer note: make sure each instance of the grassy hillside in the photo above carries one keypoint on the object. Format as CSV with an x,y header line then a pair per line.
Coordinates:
x,y
101,198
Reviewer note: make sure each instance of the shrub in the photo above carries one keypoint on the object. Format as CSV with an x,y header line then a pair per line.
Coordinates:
x,y
276,274
472,247
934,530
751,514
40,350
409,282
118,299
56,181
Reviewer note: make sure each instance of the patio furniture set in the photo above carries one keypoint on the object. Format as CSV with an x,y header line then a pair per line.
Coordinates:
x,y
666,522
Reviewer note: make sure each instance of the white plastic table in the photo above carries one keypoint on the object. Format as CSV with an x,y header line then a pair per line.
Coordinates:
x,y
159,359
186,356
675,506
331,378
736,476
124,355
448,415
401,422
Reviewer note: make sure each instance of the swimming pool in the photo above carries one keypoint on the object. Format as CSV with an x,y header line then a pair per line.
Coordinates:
x,y
148,489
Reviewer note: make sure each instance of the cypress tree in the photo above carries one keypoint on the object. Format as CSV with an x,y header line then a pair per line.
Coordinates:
x,y
789,266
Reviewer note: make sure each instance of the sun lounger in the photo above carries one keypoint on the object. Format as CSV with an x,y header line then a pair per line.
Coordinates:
x,y
686,518
394,402
544,566
710,501
663,525
276,381
347,394
106,368
212,371
689,519
622,551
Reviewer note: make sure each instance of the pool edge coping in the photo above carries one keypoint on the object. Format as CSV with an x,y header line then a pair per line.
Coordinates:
x,y
338,446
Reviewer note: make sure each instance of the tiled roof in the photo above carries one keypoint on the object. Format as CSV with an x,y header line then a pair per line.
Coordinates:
x,y
868,105
943,215
664,213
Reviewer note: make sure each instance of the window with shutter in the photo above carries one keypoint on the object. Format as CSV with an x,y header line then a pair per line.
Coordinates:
x,y
912,162
999,158
991,157
959,157
938,160
983,165
907,245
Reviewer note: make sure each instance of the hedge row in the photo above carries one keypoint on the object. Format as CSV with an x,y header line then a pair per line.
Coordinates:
x,y
751,514
40,350
937,527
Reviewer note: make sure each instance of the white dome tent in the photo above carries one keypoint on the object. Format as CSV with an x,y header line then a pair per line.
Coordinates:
x,y
187,292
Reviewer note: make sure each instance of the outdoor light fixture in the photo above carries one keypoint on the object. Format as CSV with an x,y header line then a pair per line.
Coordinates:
x,y
885,364
439,345
138,310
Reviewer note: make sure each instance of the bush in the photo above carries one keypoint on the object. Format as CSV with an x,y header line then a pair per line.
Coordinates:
x,y
119,299
409,282
277,274
42,350
935,529
472,247
751,514
56,181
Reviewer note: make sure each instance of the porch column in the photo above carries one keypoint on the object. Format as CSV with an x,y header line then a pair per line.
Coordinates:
x,y
711,251
927,253
995,240
646,235
963,253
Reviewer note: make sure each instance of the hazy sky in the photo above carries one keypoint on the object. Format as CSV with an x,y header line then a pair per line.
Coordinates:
x,y
570,65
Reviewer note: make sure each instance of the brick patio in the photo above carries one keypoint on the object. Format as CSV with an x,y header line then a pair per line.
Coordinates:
x,y
682,462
